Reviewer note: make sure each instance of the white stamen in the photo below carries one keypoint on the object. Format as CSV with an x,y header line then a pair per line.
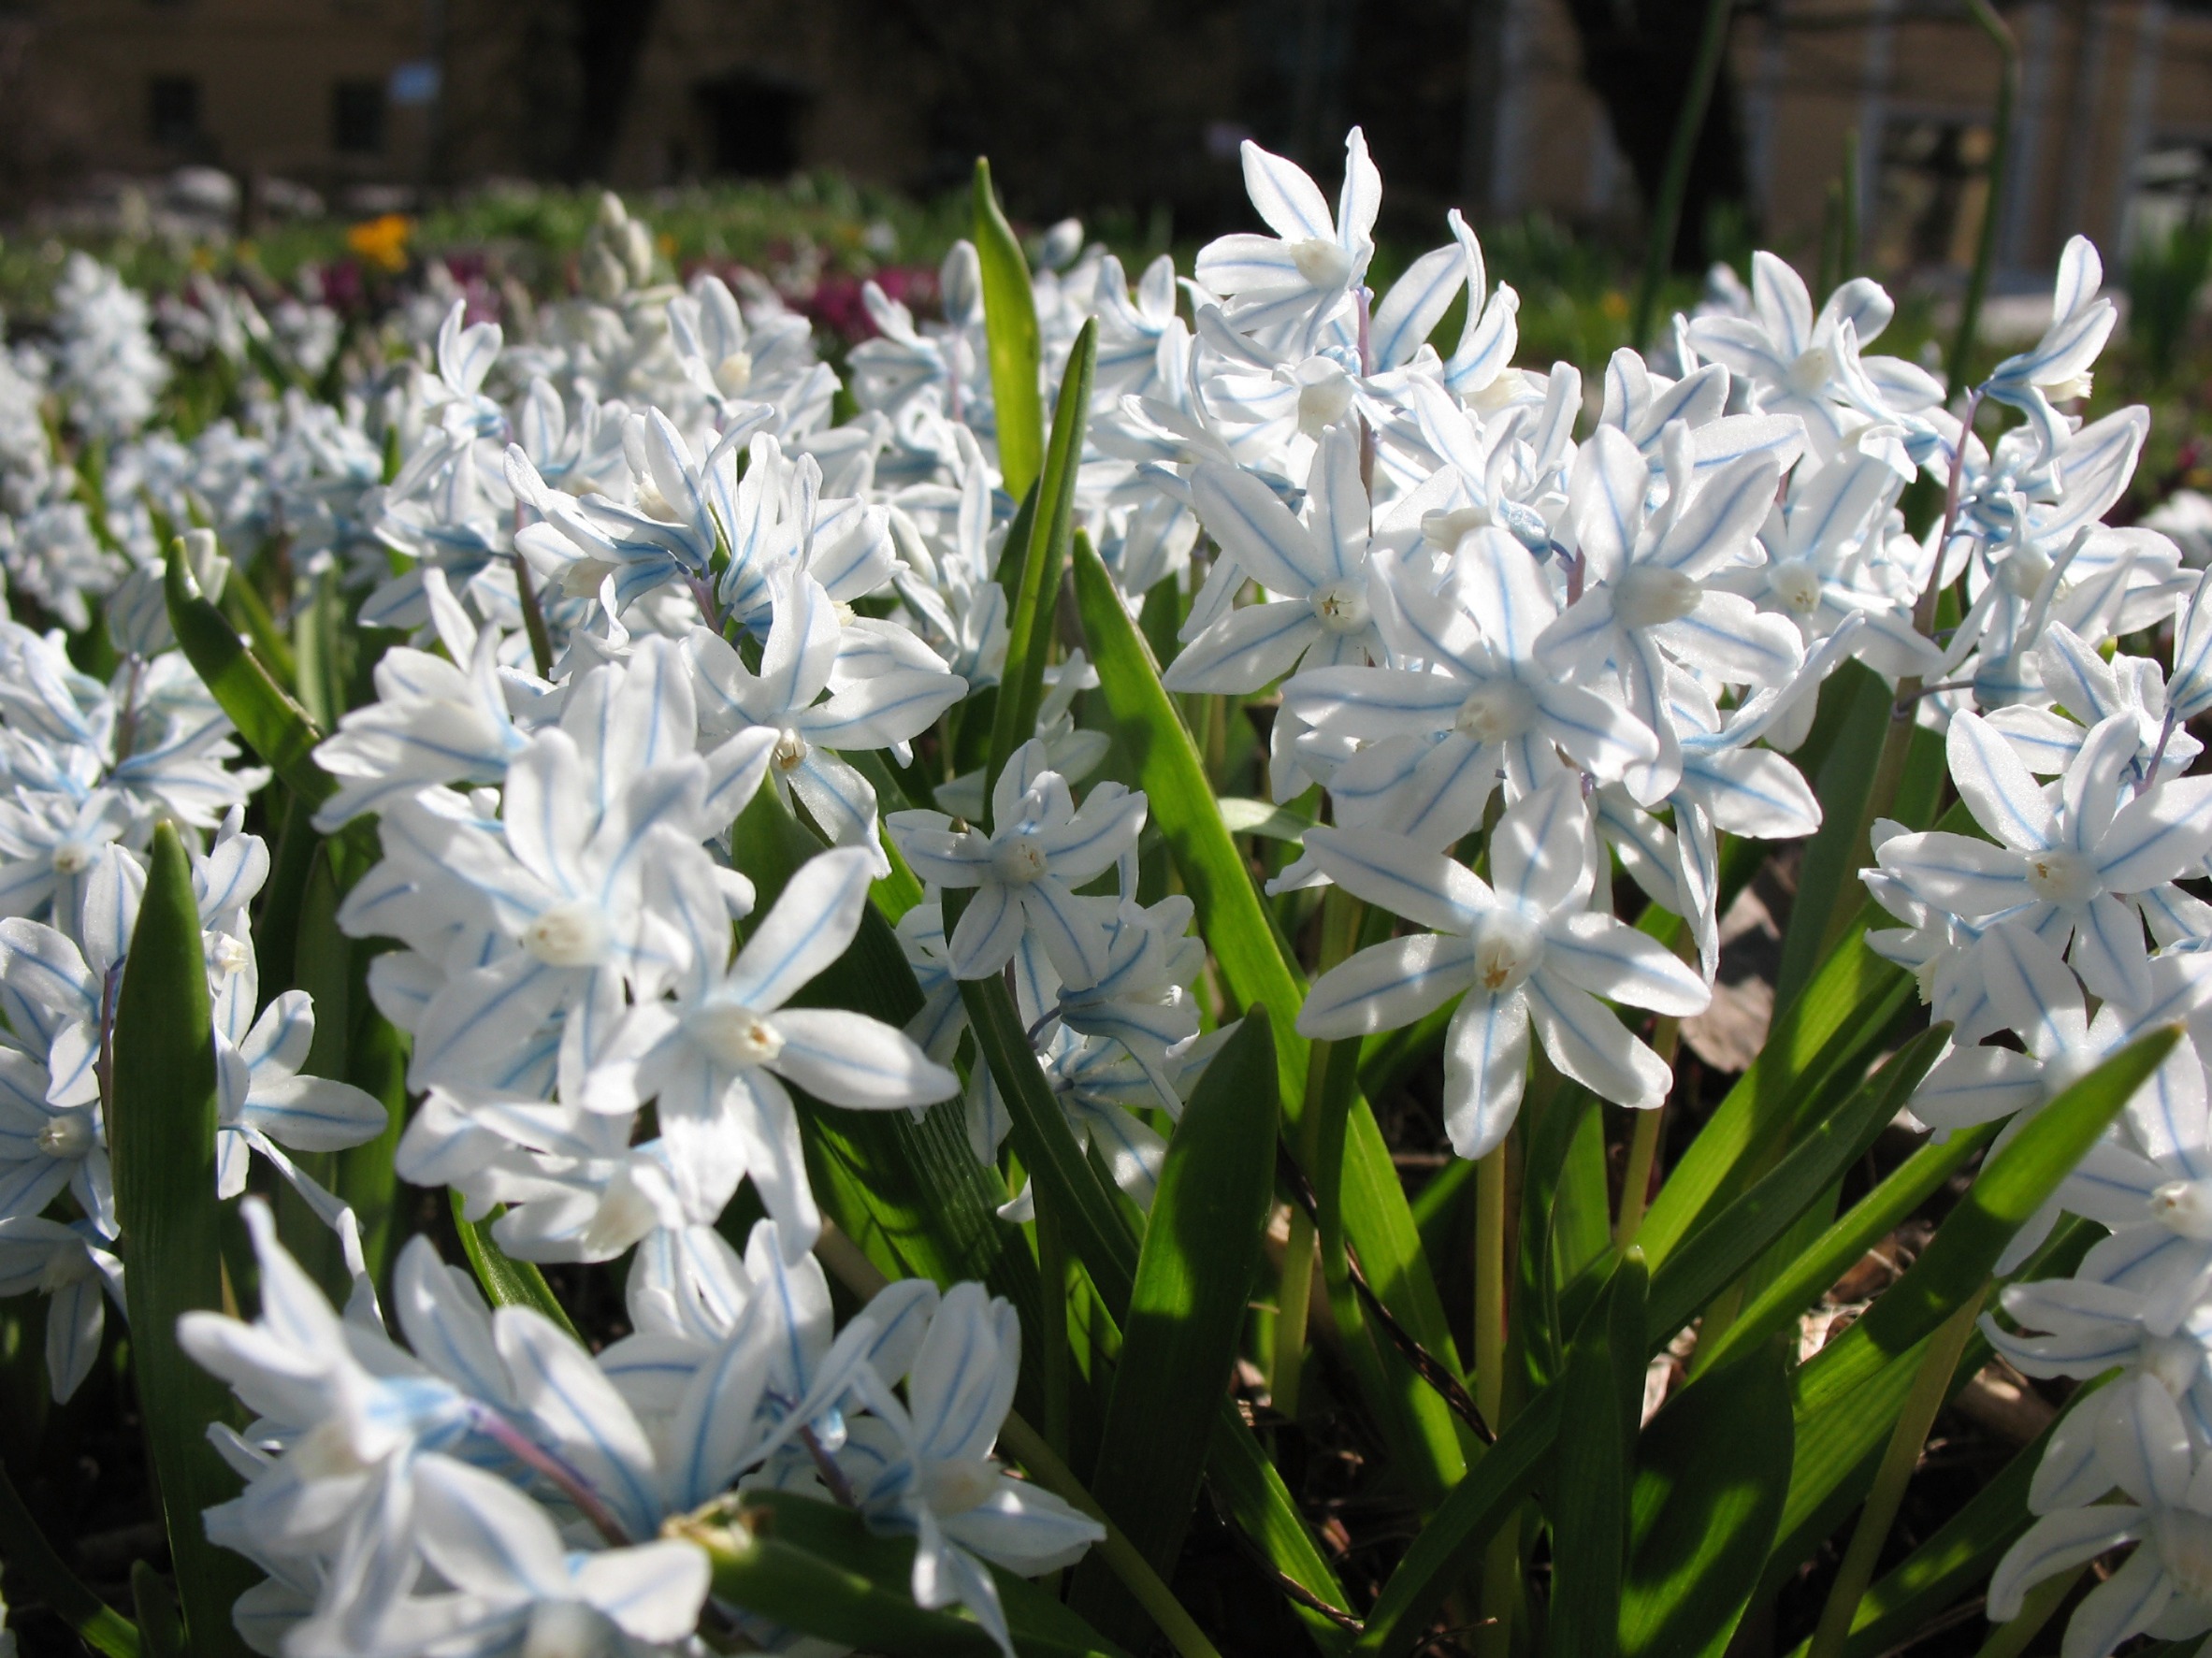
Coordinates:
x,y
954,1488
1018,860
2184,1207
1341,606
734,1034
2063,877
1498,712
1811,372
1650,595
72,858
572,935
66,1138
1796,585
1508,948
1321,261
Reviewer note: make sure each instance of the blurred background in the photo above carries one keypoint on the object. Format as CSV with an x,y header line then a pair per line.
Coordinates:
x,y
819,143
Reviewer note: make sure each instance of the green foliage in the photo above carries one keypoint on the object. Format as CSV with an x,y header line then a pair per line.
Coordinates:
x,y
819,1570
1186,1308
161,1128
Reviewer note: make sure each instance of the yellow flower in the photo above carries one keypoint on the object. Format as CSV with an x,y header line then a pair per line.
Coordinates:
x,y
383,242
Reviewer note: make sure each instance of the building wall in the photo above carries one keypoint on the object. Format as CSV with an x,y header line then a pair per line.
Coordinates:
x,y
265,74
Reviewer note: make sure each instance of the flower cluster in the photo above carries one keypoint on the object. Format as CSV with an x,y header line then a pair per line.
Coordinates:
x,y
650,594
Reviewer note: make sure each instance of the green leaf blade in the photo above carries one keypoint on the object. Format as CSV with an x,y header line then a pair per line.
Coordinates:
x,y
1010,322
274,726
1202,1248
1603,1397
161,1128
1710,1475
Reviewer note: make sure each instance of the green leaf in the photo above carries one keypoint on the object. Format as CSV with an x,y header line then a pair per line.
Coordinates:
x,y
1954,1562
31,1560
1029,640
505,1281
1092,1220
1010,321
1841,780
1815,1054
2013,1185
1602,1396
1717,1252
1867,1222
1242,816
1255,962
818,1570
161,1630
1494,1487
273,725
1185,1321
160,1133
1250,1491
1710,1477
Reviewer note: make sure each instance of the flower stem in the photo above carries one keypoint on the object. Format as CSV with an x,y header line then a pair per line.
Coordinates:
x,y
1293,1305
533,620
1026,1445
1053,1269
1644,1150
1501,1561
1931,1385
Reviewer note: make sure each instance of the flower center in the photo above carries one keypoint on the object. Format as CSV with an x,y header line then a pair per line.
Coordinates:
x,y
1017,860
572,935
2063,877
1341,607
228,954
954,1488
1322,403
2184,1545
564,1629
1811,372
1508,948
1648,594
1496,713
734,1034
72,858
1796,585
66,1138
327,1453
2184,1207
789,752
734,372
1321,261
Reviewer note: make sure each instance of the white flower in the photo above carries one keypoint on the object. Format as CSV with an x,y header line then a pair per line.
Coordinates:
x,y
931,1476
1524,946
1025,871
2060,867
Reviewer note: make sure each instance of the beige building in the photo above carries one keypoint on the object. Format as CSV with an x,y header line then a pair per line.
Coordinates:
x,y
1144,97
2112,133
321,91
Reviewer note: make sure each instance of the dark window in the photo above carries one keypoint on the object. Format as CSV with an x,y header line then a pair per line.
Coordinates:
x,y
173,110
357,117
752,123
